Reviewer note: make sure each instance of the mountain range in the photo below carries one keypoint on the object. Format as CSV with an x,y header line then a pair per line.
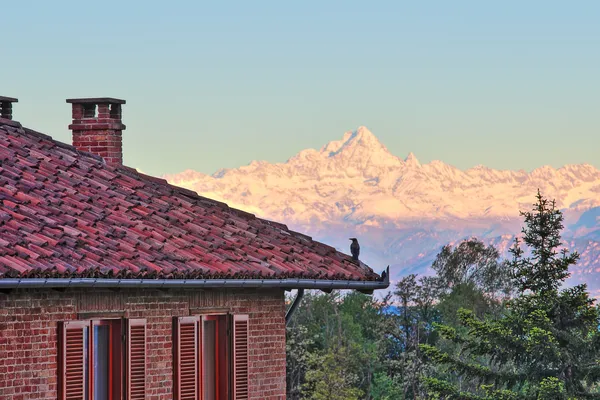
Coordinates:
x,y
403,211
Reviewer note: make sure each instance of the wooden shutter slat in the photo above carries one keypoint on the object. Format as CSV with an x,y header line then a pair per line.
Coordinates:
x,y
240,357
72,357
136,359
185,343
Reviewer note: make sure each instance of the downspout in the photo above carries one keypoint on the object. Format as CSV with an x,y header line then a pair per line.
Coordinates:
x,y
295,304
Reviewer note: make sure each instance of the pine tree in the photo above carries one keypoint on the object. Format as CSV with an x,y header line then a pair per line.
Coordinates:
x,y
544,272
546,345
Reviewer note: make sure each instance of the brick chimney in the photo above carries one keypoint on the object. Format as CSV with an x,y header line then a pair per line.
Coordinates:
x,y
97,127
6,107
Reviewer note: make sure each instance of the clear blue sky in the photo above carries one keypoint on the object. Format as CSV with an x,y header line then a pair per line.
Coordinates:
x,y
211,84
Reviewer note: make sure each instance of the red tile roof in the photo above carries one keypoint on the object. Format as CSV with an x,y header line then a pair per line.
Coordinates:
x,y
64,213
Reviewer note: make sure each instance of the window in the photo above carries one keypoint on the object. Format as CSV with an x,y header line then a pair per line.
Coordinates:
x,y
104,353
214,357
93,354
211,354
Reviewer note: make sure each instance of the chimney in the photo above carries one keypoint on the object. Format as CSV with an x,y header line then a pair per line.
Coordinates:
x,y
6,106
97,127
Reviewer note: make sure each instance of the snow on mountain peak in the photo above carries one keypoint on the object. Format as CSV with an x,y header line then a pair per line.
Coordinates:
x,y
358,179
362,137
364,134
360,149
411,160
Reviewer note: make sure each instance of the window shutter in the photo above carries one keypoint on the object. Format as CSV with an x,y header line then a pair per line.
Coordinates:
x,y
240,357
136,359
186,358
72,347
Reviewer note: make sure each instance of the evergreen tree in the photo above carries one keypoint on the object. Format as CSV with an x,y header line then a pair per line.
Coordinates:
x,y
546,344
544,272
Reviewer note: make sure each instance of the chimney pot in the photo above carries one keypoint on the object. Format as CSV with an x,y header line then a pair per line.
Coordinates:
x,y
97,127
6,106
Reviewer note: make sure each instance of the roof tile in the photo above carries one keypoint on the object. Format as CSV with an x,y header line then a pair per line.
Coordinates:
x,y
64,213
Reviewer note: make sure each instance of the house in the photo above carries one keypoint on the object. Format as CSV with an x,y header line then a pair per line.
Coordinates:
x,y
118,285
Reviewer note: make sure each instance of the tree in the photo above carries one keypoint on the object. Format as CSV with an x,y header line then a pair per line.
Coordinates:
x,y
298,357
412,325
544,271
328,378
386,388
546,344
351,329
473,264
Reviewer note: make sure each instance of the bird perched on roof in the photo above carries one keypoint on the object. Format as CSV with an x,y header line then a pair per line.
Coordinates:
x,y
354,249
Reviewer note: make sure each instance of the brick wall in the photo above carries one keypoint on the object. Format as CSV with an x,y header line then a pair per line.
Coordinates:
x,y
28,335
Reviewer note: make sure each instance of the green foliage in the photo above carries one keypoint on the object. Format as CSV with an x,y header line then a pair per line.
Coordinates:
x,y
468,296
349,329
552,388
545,345
378,350
460,334
298,343
472,264
328,379
542,272
386,387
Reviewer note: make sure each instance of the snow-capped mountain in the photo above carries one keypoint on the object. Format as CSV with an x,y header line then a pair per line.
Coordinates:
x,y
403,211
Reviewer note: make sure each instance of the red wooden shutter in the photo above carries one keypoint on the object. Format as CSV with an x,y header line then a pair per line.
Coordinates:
x,y
136,359
185,342
72,350
240,357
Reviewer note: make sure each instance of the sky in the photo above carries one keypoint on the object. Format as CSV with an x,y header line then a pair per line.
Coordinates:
x,y
210,85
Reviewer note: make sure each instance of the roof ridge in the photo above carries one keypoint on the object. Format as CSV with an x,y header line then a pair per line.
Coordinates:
x,y
63,145
21,130
11,123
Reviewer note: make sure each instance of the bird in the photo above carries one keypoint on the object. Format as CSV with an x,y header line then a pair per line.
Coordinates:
x,y
354,248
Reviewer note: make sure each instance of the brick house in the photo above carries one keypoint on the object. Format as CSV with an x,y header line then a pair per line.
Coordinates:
x,y
117,285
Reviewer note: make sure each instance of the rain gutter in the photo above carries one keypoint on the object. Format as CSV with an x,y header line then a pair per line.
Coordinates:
x,y
288,283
